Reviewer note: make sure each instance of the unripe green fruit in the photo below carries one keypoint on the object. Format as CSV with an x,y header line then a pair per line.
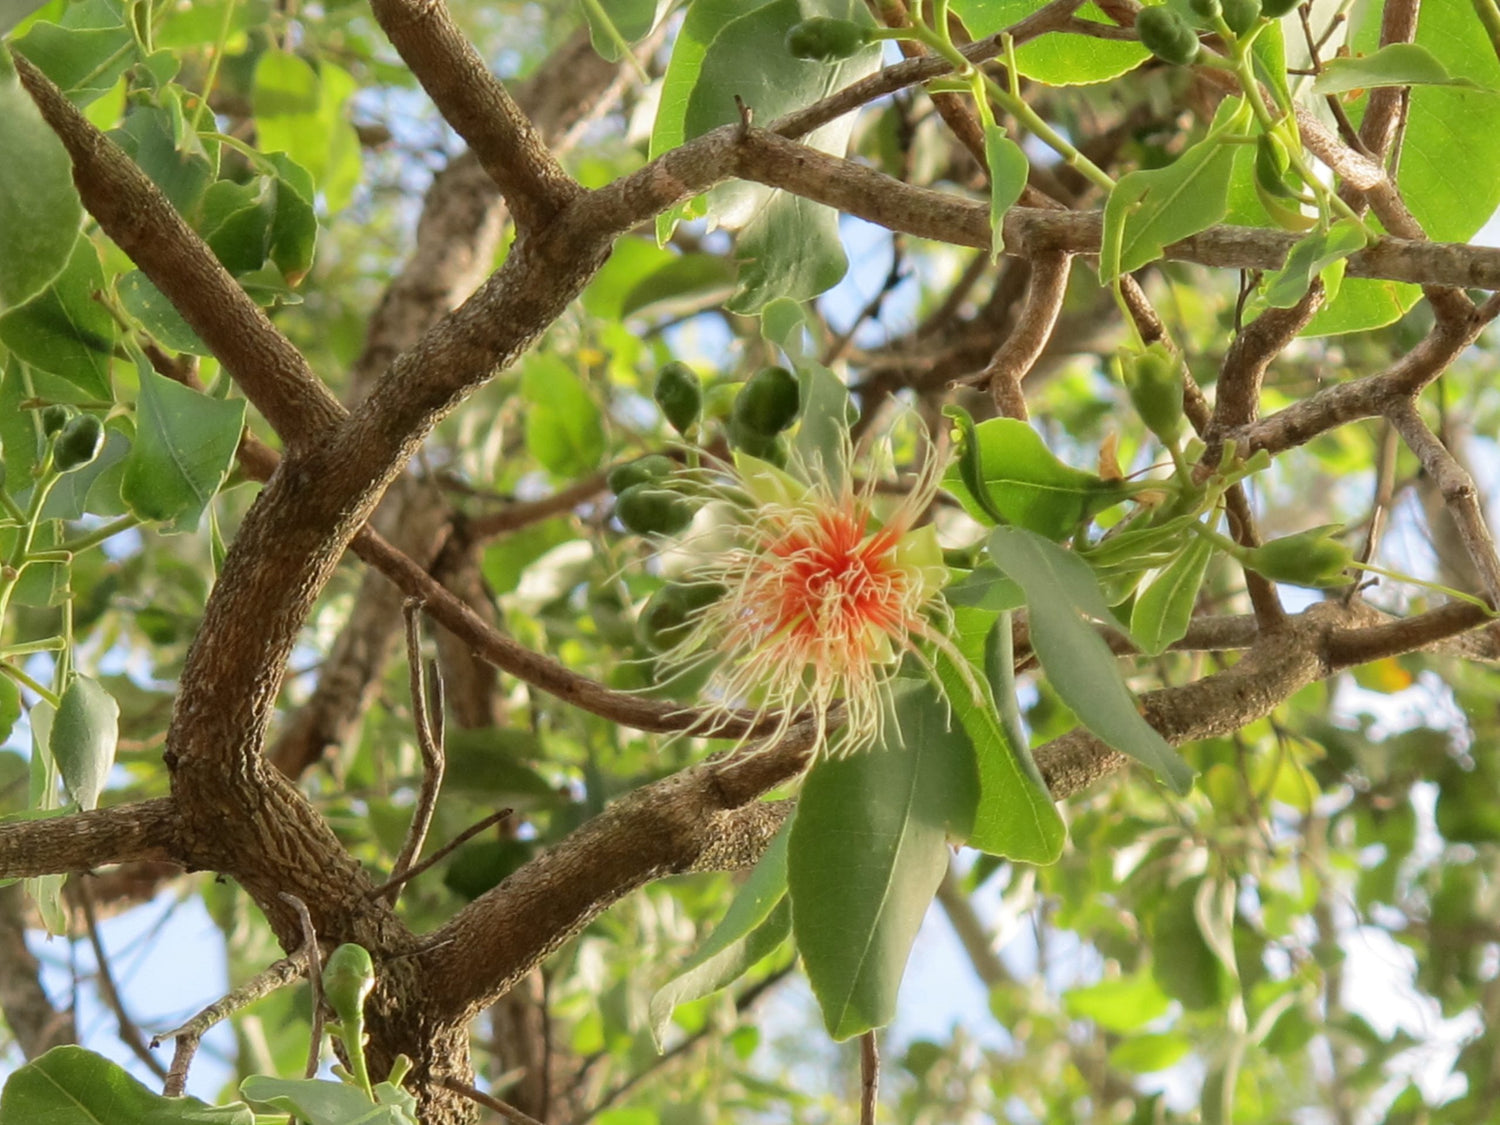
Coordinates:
x,y
648,510
54,418
654,466
79,443
1167,35
679,394
825,39
1156,382
1309,558
1241,15
668,616
347,980
768,448
1275,9
769,402
1208,10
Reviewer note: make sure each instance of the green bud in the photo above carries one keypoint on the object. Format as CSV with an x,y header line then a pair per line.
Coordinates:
x,y
1275,9
1167,35
1156,381
654,466
679,393
1207,10
1308,558
669,614
54,418
347,980
79,443
769,402
648,510
1241,15
772,449
825,39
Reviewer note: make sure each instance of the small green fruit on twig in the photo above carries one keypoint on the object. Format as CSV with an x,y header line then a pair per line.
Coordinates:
x,y
1167,35
679,394
647,509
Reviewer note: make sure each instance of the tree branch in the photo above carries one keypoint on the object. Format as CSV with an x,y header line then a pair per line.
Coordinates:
x,y
84,840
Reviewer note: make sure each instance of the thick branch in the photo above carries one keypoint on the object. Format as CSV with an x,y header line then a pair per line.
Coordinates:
x,y
133,212
477,105
85,840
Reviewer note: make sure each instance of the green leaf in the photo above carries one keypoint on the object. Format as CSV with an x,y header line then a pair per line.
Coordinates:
x,y
686,283
1309,258
985,587
13,12
1025,484
157,315
822,436
1181,961
1396,64
1163,611
39,206
1008,167
319,1102
757,921
20,429
72,1086
64,330
868,849
294,228
85,54
791,248
184,445
1147,1054
614,21
10,706
1060,592
563,428
1055,59
74,494
84,734
235,221
159,139
1150,210
1121,1005
1016,816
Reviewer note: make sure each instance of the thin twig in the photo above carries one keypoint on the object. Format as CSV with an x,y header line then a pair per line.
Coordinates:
x,y
314,979
504,1109
1022,347
869,1076
438,856
189,1034
127,1030
428,717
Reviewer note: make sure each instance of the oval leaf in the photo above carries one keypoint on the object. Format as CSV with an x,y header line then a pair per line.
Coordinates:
x,y
1162,612
84,735
70,1084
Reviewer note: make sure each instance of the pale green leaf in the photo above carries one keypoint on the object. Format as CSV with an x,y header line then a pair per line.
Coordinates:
x,y
1163,611
71,1086
84,733
1396,64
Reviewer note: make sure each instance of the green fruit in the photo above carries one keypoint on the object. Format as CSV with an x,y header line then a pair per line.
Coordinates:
x,y
1241,15
825,39
1167,35
648,510
1275,9
679,393
79,443
669,615
54,418
347,980
769,402
772,449
1309,558
1207,10
1155,381
643,469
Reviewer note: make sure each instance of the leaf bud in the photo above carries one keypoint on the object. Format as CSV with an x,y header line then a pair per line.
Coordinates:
x,y
79,443
653,466
1308,558
1241,15
679,394
1156,382
769,402
648,510
668,615
825,39
1167,35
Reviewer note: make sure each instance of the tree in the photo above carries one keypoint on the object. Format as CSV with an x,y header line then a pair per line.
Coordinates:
x,y
801,626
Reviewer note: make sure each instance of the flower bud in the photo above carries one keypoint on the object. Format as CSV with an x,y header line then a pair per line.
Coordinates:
x,y
824,39
1156,381
1167,35
679,394
668,616
79,443
654,466
769,402
1308,558
347,980
1241,15
54,418
649,510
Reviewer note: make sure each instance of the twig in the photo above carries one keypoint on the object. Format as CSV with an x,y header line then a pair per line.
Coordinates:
x,y
504,1109
437,857
869,1076
1016,356
127,1030
1385,488
189,1034
314,980
526,512
428,717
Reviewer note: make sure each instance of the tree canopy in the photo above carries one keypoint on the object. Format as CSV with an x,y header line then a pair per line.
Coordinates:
x,y
555,521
